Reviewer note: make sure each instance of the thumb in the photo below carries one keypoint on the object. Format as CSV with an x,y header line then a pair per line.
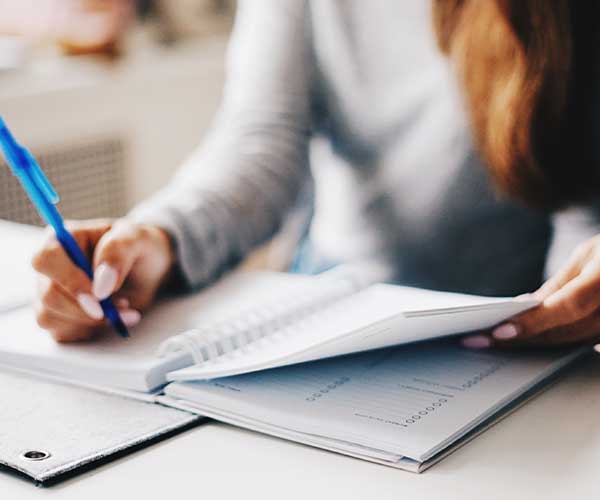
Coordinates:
x,y
114,256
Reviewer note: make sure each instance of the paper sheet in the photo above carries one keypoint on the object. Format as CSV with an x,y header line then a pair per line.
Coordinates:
x,y
410,401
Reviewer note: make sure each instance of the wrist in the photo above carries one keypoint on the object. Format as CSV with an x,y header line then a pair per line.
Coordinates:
x,y
167,246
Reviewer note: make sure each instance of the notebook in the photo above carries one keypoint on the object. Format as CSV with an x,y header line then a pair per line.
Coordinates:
x,y
250,322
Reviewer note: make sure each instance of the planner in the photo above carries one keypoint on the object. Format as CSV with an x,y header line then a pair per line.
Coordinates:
x,y
403,407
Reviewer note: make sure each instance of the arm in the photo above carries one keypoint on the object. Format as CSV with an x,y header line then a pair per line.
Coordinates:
x,y
231,195
234,191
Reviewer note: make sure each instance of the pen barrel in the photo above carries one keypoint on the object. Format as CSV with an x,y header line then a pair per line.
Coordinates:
x,y
74,252
78,258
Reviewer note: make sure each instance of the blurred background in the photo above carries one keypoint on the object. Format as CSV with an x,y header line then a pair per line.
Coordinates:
x,y
90,86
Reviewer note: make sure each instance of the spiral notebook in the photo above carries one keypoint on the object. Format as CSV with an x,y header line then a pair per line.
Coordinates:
x,y
251,322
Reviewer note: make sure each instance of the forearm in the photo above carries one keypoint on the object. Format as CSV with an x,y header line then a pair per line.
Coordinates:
x,y
235,191
230,196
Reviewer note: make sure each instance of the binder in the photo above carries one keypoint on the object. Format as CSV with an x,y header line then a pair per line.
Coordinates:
x,y
51,431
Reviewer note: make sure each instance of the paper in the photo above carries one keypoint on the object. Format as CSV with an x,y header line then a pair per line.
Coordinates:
x,y
411,401
132,363
379,316
19,243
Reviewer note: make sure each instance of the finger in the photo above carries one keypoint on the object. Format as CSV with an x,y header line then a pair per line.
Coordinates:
x,y
122,303
53,262
60,328
576,300
565,274
53,296
586,330
114,257
64,329
54,299
476,341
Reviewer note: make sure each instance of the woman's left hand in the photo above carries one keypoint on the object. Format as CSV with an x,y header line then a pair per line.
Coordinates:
x,y
569,311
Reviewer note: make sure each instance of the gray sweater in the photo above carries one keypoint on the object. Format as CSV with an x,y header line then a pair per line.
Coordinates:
x,y
353,100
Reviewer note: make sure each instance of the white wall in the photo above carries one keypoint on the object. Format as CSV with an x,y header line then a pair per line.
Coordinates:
x,y
160,99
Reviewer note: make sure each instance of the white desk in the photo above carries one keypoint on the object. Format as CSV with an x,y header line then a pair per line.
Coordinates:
x,y
549,449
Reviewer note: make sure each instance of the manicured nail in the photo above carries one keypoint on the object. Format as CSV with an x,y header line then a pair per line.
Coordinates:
x,y
130,317
506,331
105,280
476,342
90,306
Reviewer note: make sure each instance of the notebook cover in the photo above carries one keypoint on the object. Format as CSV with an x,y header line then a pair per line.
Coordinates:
x,y
50,431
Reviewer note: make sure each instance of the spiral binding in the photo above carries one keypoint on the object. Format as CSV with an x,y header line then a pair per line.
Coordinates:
x,y
211,342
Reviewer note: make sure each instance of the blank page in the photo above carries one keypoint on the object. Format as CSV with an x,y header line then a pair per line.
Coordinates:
x,y
378,316
111,360
19,242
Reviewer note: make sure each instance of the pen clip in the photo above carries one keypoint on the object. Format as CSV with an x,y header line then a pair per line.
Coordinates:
x,y
40,179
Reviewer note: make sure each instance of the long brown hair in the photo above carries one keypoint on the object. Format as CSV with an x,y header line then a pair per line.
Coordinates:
x,y
525,68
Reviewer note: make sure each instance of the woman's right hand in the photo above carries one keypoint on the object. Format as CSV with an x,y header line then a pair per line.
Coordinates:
x,y
131,262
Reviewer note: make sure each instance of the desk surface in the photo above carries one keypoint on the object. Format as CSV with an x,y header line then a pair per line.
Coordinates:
x,y
549,449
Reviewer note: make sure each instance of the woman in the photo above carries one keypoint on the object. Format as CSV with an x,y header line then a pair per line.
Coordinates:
x,y
460,155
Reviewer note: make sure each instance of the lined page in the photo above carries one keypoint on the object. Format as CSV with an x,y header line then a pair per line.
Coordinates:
x,y
409,401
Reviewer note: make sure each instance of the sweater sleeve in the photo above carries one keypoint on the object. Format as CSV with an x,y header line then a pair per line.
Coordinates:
x,y
235,190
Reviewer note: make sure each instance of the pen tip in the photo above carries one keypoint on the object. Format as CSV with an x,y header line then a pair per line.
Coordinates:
x,y
121,329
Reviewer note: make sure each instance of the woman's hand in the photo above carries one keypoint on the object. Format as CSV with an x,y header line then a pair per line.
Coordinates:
x,y
130,260
569,312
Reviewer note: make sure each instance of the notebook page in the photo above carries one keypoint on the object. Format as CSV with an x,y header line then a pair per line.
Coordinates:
x,y
111,360
408,401
19,242
379,316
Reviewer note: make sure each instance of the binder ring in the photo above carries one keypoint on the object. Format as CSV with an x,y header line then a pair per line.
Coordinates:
x,y
35,455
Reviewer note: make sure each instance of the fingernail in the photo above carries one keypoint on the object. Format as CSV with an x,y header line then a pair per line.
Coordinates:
x,y
597,348
105,280
130,317
476,342
505,331
90,306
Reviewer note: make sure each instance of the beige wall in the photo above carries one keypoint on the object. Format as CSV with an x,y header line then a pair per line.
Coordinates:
x,y
149,93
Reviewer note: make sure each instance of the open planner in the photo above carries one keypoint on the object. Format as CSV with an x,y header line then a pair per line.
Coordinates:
x,y
319,360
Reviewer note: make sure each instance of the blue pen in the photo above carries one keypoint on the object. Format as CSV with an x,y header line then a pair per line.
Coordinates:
x,y
44,198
